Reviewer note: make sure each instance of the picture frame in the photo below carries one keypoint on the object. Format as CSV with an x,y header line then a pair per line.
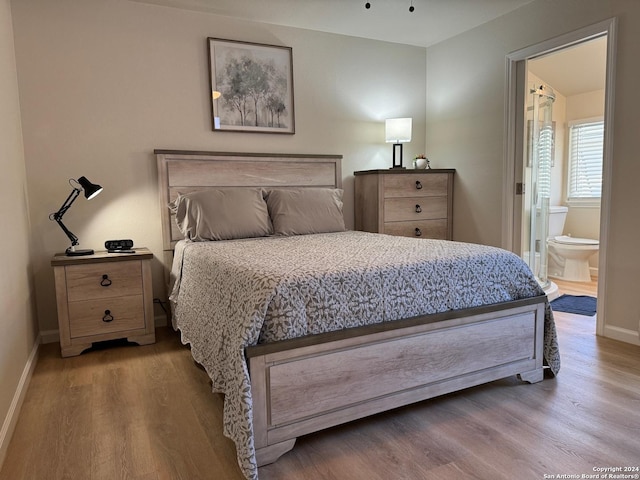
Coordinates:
x,y
251,86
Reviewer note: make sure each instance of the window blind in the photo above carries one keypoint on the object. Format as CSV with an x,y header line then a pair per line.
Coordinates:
x,y
586,142
545,159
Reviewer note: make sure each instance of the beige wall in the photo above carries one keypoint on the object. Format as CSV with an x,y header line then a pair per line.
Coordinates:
x,y
105,82
465,130
17,318
585,105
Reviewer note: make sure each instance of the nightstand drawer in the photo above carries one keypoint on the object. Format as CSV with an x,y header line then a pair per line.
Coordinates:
x,y
414,208
104,280
422,229
95,317
419,184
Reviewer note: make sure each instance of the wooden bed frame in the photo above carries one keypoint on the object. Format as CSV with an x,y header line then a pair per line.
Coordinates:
x,y
304,385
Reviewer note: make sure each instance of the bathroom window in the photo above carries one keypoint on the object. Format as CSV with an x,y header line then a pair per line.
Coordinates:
x,y
586,142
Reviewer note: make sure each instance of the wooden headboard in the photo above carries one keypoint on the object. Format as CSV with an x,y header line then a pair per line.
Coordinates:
x,y
186,171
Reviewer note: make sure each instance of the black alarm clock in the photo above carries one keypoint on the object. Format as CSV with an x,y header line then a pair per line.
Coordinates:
x,y
119,246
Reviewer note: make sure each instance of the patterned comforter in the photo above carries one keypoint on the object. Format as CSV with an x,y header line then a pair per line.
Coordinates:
x,y
233,294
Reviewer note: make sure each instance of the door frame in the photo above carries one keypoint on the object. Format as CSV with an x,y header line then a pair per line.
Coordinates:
x,y
514,137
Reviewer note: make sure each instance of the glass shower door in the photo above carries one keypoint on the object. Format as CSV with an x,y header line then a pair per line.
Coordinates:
x,y
538,180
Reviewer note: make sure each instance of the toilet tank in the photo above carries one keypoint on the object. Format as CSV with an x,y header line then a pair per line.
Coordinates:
x,y
557,216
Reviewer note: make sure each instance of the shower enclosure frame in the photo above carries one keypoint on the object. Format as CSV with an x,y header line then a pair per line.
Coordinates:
x,y
540,153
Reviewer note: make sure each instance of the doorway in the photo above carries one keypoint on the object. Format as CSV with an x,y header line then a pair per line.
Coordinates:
x,y
521,211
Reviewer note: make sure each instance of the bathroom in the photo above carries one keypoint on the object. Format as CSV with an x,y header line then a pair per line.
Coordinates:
x,y
567,94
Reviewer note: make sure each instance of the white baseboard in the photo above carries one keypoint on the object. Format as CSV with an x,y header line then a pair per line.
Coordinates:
x,y
622,334
9,424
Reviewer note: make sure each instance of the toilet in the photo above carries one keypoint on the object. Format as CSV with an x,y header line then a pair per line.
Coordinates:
x,y
568,256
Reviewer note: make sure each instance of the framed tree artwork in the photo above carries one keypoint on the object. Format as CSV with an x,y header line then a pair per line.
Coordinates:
x,y
251,87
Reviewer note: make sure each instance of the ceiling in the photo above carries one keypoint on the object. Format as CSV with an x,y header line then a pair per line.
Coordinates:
x,y
575,70
431,22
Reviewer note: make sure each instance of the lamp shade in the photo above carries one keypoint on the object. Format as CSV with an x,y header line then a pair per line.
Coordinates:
x,y
90,189
397,130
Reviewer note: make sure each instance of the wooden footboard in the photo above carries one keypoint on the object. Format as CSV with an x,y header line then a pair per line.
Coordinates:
x,y
305,385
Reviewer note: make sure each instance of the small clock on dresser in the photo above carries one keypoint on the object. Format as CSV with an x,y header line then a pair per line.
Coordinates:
x,y
103,296
410,203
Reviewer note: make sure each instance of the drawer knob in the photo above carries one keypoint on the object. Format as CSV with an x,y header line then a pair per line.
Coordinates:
x,y
418,232
418,185
107,316
106,281
418,209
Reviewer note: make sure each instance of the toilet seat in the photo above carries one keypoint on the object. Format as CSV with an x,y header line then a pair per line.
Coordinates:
x,y
567,240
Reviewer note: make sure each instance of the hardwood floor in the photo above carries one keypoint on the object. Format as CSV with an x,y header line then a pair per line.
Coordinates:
x,y
577,288
146,412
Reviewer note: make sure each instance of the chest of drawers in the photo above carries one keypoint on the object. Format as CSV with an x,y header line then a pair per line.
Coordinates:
x,y
410,203
103,296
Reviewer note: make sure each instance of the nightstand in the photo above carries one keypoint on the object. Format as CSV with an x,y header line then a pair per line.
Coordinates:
x,y
409,203
103,296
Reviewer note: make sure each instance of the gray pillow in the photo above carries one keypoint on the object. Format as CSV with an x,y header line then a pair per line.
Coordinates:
x,y
299,211
222,214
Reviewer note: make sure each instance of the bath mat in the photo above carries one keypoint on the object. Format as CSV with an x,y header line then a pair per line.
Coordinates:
x,y
579,304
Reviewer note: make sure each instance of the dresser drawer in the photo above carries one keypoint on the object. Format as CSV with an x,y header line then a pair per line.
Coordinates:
x,y
396,202
437,229
85,282
414,208
425,184
90,317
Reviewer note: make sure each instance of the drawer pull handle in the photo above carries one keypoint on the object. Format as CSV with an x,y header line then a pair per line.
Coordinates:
x,y
418,232
107,316
418,185
106,281
418,209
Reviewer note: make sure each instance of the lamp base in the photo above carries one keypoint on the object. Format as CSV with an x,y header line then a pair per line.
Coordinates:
x,y
78,252
397,156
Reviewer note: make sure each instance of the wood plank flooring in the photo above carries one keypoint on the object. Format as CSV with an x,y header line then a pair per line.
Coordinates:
x,y
577,288
143,413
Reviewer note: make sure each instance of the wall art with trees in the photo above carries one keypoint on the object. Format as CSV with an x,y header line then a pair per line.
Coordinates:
x,y
251,87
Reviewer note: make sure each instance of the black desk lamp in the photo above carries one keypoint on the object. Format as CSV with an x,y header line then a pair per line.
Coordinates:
x,y
90,191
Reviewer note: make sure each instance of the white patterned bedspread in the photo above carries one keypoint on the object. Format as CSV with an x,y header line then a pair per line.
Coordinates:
x,y
233,294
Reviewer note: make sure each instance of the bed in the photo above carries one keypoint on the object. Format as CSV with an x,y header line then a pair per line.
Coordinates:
x,y
426,318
